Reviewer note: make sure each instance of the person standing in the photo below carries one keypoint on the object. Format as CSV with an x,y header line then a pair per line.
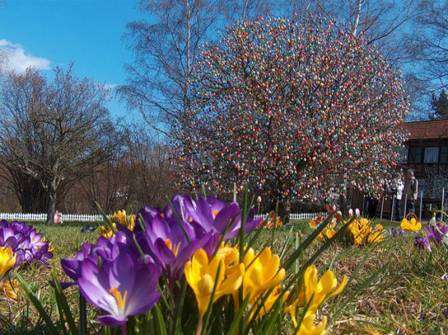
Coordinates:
x,y
398,187
410,191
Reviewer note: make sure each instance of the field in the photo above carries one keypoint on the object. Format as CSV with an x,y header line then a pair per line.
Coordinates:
x,y
393,289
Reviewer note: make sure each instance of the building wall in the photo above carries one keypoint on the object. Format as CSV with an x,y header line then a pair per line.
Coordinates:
x,y
429,160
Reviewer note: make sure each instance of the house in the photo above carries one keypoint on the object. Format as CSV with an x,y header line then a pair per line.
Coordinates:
x,y
427,154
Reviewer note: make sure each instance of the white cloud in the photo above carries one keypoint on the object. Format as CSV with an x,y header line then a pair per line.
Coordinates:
x,y
16,58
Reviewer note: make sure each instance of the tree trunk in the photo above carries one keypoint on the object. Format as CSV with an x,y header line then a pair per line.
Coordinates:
x,y
283,209
287,211
26,202
357,17
343,203
51,209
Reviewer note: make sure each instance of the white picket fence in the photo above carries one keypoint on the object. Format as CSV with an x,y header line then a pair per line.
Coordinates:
x,y
43,217
96,218
296,216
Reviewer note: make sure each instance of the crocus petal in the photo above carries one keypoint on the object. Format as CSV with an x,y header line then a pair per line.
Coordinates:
x,y
110,320
93,291
143,294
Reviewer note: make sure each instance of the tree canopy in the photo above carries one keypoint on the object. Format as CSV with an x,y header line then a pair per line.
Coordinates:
x,y
294,110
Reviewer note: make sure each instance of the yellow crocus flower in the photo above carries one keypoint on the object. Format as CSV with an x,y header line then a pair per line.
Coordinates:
x,y
271,300
262,273
203,276
107,231
310,327
360,230
315,222
131,222
410,225
119,217
7,260
376,235
328,232
315,291
127,221
9,288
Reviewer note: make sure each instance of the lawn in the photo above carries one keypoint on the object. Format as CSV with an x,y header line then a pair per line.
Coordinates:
x,y
393,289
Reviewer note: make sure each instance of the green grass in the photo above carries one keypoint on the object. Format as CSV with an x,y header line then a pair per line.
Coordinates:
x,y
394,288
20,317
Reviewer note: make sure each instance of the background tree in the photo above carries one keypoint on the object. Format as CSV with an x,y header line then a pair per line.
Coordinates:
x,y
430,51
51,131
167,45
152,178
137,174
439,105
294,111
432,40
165,48
391,26
383,23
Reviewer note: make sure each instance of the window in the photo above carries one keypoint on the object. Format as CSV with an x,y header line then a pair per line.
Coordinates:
x,y
402,155
415,155
444,155
431,155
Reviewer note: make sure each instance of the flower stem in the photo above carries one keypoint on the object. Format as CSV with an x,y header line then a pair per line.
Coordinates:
x,y
199,326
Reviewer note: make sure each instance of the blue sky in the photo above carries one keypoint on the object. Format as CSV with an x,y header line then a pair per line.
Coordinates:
x,y
89,33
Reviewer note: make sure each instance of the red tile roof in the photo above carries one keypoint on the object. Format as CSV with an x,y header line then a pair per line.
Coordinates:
x,y
425,130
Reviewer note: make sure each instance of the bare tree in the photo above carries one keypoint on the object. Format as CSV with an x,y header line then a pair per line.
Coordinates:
x,y
165,48
151,178
385,23
27,189
432,41
138,174
108,184
52,130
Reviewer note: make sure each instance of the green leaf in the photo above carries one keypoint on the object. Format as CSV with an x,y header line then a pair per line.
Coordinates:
x,y
209,310
63,304
159,321
179,308
238,320
82,315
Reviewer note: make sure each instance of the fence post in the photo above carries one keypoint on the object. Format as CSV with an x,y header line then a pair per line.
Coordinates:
x,y
393,207
363,201
405,205
421,205
443,200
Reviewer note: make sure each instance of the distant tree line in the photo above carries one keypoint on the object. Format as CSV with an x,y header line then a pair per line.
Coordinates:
x,y
60,149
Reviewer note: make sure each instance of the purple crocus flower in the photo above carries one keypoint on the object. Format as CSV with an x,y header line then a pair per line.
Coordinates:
x,y
172,241
173,234
214,215
436,232
106,249
123,287
423,243
28,245
445,312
